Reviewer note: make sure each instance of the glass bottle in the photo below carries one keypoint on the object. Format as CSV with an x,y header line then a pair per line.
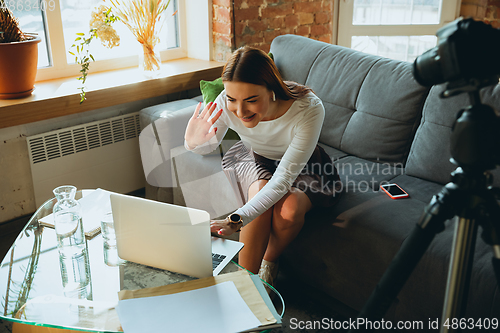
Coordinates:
x,y
71,244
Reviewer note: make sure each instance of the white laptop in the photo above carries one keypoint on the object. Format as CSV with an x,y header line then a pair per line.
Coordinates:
x,y
169,237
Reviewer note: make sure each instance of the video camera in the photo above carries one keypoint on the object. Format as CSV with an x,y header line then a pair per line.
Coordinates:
x,y
466,55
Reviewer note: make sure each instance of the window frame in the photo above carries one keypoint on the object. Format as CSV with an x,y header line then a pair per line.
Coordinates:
x,y
346,30
58,54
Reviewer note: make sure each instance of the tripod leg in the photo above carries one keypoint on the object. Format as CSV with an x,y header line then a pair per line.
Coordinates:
x,y
491,229
459,272
495,261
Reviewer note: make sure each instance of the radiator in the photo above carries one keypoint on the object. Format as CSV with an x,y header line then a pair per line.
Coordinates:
x,y
102,154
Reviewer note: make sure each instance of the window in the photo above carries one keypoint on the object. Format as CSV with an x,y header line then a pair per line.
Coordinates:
x,y
32,20
75,18
58,21
397,29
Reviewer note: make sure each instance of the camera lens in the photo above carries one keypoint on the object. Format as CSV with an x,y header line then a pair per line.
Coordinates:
x,y
467,51
427,69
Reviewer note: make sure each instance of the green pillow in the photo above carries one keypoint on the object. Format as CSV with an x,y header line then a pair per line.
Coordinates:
x,y
211,89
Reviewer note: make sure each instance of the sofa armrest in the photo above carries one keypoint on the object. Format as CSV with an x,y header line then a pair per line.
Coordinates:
x,y
203,183
163,129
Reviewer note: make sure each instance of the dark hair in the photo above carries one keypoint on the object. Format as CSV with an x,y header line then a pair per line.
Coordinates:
x,y
252,65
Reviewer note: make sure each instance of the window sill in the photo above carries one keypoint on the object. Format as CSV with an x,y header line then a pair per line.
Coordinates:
x,y
60,97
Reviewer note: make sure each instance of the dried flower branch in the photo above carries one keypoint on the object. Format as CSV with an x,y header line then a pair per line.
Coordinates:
x,y
142,17
100,27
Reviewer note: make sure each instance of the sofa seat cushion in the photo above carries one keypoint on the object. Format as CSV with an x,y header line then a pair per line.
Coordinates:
x,y
361,175
345,251
418,189
368,113
429,156
334,154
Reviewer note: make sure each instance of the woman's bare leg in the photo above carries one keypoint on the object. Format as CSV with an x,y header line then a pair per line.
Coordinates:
x,y
287,221
255,235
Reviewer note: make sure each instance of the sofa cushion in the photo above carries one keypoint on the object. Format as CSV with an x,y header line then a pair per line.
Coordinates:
x,y
429,156
368,113
294,55
417,188
345,251
362,175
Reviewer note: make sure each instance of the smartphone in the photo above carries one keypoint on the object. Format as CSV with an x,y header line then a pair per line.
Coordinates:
x,y
394,191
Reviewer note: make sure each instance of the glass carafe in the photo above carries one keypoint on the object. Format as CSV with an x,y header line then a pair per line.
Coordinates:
x,y
71,244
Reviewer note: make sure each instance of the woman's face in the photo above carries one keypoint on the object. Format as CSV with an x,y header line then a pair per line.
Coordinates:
x,y
249,102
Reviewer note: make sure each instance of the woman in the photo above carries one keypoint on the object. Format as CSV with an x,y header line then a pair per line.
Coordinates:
x,y
278,164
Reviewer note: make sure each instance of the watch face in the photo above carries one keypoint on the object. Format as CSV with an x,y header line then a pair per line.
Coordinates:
x,y
235,218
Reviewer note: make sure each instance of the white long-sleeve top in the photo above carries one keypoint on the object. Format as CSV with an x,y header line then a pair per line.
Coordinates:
x,y
290,139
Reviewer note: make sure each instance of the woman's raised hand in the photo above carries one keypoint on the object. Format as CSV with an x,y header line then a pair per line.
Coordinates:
x,y
198,128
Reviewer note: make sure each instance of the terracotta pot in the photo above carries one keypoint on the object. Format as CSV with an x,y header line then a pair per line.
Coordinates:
x,y
18,66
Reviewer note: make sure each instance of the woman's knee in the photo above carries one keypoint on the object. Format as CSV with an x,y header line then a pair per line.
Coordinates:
x,y
290,211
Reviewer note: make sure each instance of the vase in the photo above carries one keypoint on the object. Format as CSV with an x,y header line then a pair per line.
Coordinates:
x,y
149,60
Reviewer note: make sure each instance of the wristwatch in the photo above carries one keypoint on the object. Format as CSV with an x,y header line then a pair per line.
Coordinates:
x,y
235,219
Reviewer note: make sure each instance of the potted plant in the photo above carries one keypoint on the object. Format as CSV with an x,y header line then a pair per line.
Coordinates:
x,y
18,57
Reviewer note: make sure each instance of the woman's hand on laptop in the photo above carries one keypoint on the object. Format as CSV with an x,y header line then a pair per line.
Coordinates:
x,y
224,227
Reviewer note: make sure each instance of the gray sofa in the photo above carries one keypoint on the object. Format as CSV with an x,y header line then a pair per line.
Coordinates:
x,y
380,126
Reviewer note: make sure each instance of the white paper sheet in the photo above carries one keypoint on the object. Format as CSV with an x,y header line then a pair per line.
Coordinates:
x,y
218,309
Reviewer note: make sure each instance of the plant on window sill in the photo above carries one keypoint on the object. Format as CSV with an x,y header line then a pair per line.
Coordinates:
x,y
10,30
139,16
18,56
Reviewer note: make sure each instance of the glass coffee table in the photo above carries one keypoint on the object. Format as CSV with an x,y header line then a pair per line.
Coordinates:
x,y
31,290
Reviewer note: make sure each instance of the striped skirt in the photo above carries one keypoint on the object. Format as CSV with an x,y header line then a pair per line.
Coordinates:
x,y
319,178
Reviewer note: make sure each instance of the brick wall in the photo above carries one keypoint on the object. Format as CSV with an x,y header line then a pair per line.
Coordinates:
x,y
258,22
485,10
223,29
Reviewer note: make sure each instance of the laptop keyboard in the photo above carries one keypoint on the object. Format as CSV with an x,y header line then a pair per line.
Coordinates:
x,y
217,259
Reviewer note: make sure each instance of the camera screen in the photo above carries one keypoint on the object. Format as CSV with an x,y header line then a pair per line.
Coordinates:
x,y
393,190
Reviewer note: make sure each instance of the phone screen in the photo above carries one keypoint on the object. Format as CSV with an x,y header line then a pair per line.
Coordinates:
x,y
393,190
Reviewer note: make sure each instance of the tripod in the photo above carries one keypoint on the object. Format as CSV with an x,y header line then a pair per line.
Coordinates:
x,y
469,197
